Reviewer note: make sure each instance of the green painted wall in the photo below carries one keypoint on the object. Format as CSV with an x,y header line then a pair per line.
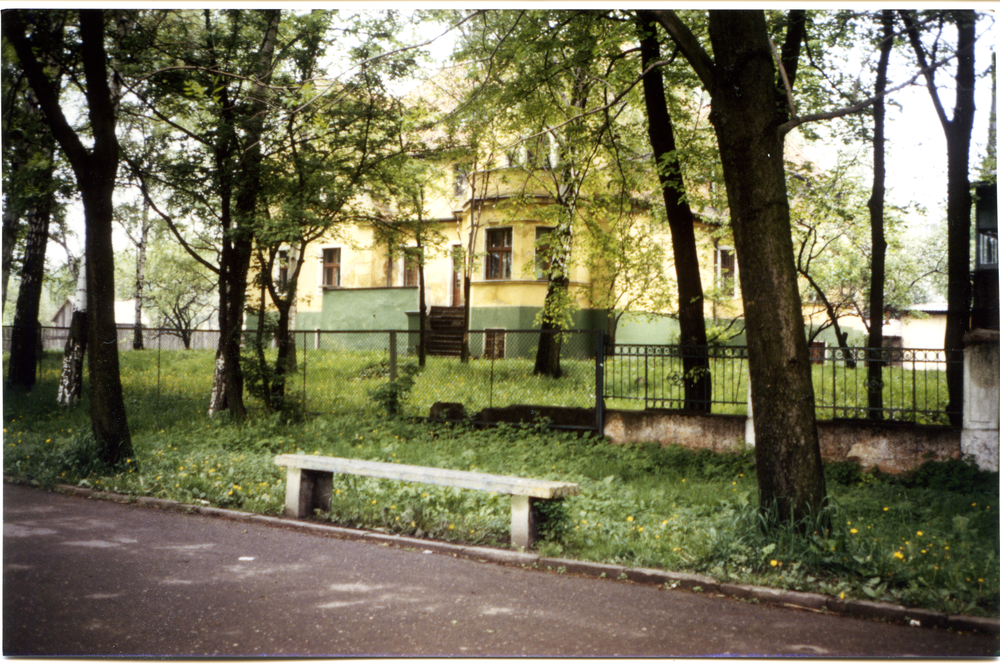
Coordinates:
x,y
523,318
367,309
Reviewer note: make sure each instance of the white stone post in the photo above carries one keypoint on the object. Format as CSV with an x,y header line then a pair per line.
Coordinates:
x,y
981,399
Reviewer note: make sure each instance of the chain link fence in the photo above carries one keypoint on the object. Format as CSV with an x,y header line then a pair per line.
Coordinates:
x,y
366,372
345,370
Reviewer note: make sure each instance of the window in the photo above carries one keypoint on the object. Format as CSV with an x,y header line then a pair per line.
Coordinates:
x,y
411,261
543,255
331,266
461,178
725,271
493,346
987,249
498,253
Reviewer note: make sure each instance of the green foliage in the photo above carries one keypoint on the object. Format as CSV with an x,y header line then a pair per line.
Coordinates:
x,y
846,473
954,475
391,396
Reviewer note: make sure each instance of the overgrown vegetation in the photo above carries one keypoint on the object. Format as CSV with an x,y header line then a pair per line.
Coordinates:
x,y
928,538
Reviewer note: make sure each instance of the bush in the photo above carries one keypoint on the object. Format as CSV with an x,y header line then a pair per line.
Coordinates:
x,y
954,475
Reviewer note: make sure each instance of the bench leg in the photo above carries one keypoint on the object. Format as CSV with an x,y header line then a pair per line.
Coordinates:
x,y
523,521
307,490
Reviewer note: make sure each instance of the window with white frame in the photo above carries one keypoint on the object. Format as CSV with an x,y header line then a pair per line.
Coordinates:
x,y
499,253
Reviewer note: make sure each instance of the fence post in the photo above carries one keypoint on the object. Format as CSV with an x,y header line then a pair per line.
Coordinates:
x,y
599,384
645,376
159,363
392,355
749,434
305,356
317,339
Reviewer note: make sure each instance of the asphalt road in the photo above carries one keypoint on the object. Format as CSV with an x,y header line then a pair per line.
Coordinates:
x,y
85,577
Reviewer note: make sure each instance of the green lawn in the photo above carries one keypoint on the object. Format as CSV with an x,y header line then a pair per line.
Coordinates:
x,y
929,540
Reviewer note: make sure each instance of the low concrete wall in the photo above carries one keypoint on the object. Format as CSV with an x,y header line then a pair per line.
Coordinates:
x,y
719,433
893,447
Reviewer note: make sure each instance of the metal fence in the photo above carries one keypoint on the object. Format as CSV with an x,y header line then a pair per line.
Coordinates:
x,y
343,371
652,376
913,383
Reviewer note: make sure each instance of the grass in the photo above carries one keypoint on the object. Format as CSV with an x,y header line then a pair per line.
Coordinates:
x,y
929,539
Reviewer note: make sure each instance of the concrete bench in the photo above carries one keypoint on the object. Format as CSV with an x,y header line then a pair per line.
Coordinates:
x,y
310,485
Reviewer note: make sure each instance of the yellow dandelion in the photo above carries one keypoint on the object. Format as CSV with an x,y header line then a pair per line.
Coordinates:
x,y
854,530
898,555
629,518
774,562
920,533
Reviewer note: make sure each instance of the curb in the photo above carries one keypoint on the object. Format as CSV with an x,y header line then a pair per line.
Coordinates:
x,y
815,602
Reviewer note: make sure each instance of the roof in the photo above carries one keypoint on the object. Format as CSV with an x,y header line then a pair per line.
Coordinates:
x,y
929,308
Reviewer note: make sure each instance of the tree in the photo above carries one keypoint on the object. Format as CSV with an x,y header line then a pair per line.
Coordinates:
x,y
542,80
325,158
71,377
958,135
690,297
95,169
876,208
749,108
207,80
32,184
628,270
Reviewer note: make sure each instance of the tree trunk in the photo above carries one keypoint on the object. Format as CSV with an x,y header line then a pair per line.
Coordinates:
x,y
23,365
140,277
11,222
746,120
237,249
690,296
95,170
958,135
876,209
547,358
422,305
71,379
